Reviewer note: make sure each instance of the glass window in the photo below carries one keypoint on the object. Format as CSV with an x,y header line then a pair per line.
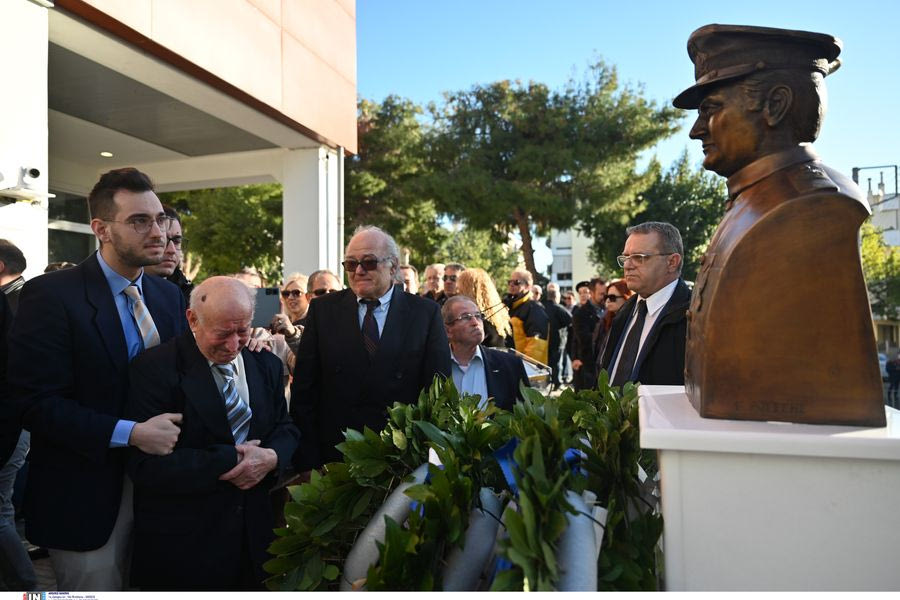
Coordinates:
x,y
68,245
69,207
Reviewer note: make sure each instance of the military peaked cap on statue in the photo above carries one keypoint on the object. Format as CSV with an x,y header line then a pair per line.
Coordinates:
x,y
726,52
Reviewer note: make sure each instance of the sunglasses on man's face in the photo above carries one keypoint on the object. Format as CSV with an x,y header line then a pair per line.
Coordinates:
x,y
449,277
290,293
368,264
323,291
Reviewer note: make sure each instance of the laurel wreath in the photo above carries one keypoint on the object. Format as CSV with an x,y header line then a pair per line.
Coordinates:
x,y
325,516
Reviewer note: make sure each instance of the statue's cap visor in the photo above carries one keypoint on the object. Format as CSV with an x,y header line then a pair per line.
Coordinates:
x,y
727,52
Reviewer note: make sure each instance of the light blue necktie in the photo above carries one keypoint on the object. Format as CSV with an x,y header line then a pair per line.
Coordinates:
x,y
237,411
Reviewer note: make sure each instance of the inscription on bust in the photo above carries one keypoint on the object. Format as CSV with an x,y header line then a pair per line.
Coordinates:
x,y
773,407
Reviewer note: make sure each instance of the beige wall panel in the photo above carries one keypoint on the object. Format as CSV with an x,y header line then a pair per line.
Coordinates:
x,y
134,13
230,38
349,7
315,95
325,28
272,8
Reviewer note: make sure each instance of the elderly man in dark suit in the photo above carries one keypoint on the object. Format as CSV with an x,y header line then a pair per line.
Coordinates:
x,y
202,516
647,338
362,350
74,335
477,369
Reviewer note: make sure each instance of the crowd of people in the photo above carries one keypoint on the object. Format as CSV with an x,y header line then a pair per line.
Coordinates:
x,y
157,420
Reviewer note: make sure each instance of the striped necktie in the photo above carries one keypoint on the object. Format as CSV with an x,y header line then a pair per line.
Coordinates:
x,y
146,326
236,410
370,326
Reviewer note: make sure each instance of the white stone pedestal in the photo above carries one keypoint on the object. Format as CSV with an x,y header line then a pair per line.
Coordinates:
x,y
774,506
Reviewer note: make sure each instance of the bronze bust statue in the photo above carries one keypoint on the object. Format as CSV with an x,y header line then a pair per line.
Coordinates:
x,y
779,326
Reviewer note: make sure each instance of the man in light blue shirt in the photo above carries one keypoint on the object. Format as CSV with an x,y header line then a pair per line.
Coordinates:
x,y
476,369
75,334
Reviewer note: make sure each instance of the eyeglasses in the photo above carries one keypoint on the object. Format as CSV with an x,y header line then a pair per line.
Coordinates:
x,y
178,241
613,298
323,291
449,277
467,317
143,223
638,259
515,282
290,293
368,264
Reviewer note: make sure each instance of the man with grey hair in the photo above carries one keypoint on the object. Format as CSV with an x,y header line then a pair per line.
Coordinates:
x,y
647,339
236,440
433,281
363,349
477,369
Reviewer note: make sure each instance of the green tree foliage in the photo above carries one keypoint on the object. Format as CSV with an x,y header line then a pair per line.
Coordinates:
x,y
692,200
881,267
381,187
478,248
511,157
230,228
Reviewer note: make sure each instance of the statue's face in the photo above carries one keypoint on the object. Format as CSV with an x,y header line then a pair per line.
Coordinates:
x,y
730,132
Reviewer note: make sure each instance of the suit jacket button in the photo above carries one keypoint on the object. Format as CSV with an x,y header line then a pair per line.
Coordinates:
x,y
399,375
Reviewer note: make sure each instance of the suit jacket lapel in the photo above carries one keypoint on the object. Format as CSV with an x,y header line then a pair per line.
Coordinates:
x,y
155,301
491,372
347,329
256,388
106,315
200,390
395,326
620,321
671,305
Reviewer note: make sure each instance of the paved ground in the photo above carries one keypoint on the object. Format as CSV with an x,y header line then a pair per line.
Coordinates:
x,y
46,581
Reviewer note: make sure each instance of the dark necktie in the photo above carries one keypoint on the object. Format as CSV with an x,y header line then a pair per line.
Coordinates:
x,y
370,327
630,348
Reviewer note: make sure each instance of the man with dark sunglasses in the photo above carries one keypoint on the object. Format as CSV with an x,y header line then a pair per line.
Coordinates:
x,y
363,349
451,274
530,324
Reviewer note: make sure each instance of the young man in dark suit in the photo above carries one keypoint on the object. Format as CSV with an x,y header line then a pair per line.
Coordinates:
x,y
74,335
202,515
477,369
362,350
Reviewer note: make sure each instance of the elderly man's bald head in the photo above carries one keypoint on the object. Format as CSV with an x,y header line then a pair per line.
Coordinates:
x,y
220,315
217,293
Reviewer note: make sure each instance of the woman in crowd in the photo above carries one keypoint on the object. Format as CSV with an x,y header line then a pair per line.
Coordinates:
x,y
289,322
617,293
477,285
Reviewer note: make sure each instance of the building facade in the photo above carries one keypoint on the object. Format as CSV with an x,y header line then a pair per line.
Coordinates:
x,y
197,94
571,264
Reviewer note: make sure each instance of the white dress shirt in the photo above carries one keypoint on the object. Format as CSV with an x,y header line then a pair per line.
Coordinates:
x,y
240,378
655,303
379,313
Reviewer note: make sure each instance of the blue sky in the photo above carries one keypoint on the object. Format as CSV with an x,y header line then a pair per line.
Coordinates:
x,y
420,48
